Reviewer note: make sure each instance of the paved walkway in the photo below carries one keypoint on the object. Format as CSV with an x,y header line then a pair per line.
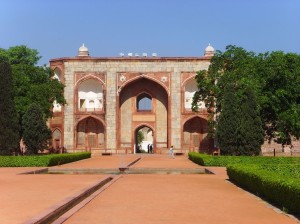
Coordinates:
x,y
134,198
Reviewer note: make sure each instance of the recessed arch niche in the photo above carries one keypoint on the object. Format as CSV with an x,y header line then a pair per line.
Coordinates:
x,y
190,89
195,135
90,95
130,115
90,134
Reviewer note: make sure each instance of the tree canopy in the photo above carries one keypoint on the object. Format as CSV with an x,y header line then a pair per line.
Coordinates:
x,y
274,79
32,83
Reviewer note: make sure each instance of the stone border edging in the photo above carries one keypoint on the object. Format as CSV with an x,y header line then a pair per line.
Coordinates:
x,y
51,214
81,204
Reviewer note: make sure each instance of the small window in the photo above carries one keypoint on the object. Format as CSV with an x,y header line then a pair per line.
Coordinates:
x,y
144,102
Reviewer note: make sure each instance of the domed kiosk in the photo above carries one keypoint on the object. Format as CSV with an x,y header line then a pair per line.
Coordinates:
x,y
83,51
209,51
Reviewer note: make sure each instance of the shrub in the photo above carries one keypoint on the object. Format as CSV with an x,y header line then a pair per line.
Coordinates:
x,y
281,188
276,179
208,160
42,161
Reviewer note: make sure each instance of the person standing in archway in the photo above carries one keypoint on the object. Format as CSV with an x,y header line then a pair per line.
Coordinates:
x,y
171,152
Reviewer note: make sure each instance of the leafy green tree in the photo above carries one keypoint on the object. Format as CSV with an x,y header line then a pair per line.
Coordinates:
x,y
32,83
9,121
36,134
140,137
274,79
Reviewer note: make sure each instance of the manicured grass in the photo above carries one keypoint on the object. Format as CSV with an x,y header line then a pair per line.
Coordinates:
x,y
276,179
42,161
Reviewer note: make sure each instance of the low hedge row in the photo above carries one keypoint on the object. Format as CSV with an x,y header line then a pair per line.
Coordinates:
x,y
208,160
42,161
278,184
276,179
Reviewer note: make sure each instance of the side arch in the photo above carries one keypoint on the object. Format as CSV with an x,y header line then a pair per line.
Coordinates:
x,y
90,133
195,135
57,139
89,95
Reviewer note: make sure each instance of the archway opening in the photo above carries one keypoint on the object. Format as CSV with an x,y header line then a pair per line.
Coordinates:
x,y
56,139
133,114
195,135
90,134
58,76
90,95
144,140
190,89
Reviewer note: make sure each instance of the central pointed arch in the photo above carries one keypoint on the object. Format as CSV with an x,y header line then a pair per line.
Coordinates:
x,y
131,113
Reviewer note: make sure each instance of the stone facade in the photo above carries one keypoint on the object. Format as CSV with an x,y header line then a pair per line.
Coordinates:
x,y
103,97
122,79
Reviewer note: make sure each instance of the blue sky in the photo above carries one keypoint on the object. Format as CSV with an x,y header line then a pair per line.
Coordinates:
x,y
57,28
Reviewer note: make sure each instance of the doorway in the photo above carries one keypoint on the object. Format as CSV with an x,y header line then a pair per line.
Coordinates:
x,y
144,140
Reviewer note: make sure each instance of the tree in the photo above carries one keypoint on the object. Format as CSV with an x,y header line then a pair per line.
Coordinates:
x,y
140,137
274,79
36,134
32,83
228,123
9,121
250,133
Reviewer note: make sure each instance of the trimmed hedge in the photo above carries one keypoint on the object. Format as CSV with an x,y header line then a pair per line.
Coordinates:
x,y
277,184
276,179
208,160
42,161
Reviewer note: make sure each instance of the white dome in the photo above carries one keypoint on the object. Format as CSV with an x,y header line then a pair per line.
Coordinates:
x,y
209,48
83,51
209,51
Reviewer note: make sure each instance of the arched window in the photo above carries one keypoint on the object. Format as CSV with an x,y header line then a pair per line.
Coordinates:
x,y
90,95
144,102
56,136
57,75
190,89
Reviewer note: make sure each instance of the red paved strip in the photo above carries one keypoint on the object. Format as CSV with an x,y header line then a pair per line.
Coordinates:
x,y
176,199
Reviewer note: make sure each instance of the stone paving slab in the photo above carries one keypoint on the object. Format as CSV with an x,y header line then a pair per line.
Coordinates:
x,y
114,161
22,197
176,199
135,198
164,161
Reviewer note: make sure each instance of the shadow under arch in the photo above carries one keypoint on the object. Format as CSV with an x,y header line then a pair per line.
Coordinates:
x,y
126,83
90,133
195,135
57,138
